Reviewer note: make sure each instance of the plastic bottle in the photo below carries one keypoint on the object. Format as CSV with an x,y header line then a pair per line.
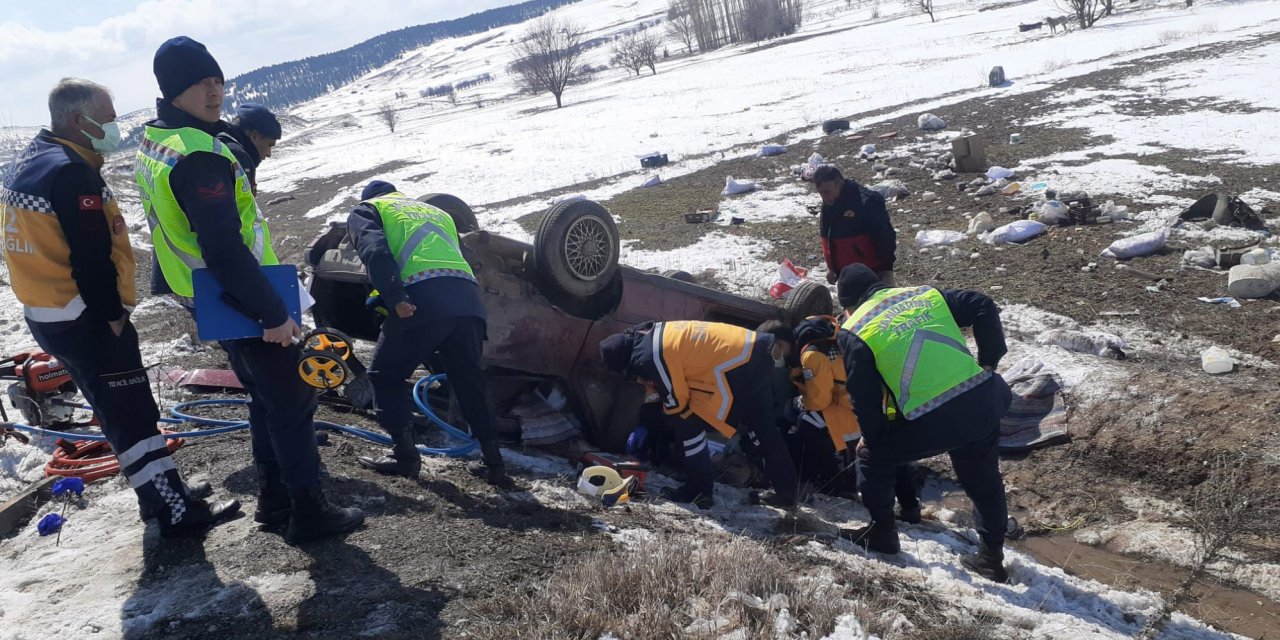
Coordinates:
x,y
1216,361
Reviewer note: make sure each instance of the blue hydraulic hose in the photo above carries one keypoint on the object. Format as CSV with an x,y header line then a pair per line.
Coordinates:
x,y
180,416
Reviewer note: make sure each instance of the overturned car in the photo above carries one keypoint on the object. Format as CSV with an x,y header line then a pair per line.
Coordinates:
x,y
550,303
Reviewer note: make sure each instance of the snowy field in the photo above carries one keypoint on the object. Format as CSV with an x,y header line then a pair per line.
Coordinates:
x,y
496,147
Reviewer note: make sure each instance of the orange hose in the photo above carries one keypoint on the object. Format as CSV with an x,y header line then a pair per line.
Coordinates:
x,y
92,460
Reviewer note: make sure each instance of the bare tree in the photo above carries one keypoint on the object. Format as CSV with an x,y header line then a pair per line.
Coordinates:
x,y
925,6
624,53
1086,12
388,115
547,55
646,50
680,24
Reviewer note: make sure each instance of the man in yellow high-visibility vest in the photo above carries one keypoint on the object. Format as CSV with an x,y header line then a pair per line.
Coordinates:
x,y
907,342
202,213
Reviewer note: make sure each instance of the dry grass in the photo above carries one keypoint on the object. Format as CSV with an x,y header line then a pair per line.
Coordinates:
x,y
707,588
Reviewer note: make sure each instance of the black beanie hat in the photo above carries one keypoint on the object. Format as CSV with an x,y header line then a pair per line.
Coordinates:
x,y
182,62
856,281
256,117
377,188
615,351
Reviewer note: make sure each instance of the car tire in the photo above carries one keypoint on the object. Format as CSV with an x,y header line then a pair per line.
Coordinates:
x,y
592,307
464,219
575,250
832,126
682,276
808,299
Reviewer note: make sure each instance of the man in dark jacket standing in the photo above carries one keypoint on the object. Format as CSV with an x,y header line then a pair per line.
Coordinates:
x,y
203,215
918,392
433,304
251,136
855,226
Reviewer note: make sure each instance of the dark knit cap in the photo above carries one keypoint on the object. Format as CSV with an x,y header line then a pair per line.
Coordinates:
x,y
256,117
377,188
615,351
181,62
856,281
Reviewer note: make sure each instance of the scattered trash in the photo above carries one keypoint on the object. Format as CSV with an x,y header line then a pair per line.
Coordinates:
x,y
930,122
981,223
736,220
893,172
1011,188
879,168
1053,212
653,160
1224,210
996,173
868,150
886,136
1203,257
1015,138
702,215
1216,361
988,190
978,182
938,238
816,160
831,126
1253,281
653,181
996,77
928,196
1114,212
1258,256
736,187
891,189
970,153
789,277
275,201
1097,343
1016,231
1037,187
50,524
1230,302
945,174
1142,244
771,150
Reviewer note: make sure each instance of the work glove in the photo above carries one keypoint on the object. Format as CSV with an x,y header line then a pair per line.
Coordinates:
x,y
375,304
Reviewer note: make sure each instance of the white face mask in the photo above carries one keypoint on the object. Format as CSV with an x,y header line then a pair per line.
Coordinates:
x,y
110,140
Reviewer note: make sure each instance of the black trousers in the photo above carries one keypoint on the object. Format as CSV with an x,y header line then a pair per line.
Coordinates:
x,y
282,408
831,472
968,430
459,342
109,373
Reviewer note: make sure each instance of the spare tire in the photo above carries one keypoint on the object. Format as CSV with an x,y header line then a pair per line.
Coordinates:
x,y
831,126
808,299
575,249
682,276
464,219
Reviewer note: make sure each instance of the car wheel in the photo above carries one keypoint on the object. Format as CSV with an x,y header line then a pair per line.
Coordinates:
x,y
464,219
576,249
831,126
682,276
808,299
592,307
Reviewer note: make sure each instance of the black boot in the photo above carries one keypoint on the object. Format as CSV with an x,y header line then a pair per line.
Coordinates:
x,y
688,495
404,460
881,538
274,504
314,517
196,517
909,512
772,499
988,562
494,474
199,490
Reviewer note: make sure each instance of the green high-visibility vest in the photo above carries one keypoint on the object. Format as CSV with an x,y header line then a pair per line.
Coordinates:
x,y
422,238
920,352
172,239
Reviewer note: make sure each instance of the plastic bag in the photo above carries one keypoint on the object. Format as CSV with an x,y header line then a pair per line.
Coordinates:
x,y
734,187
930,122
816,159
1094,342
938,238
891,189
1142,244
1053,212
997,173
1016,231
653,181
772,150
1202,257
789,277
981,223
868,149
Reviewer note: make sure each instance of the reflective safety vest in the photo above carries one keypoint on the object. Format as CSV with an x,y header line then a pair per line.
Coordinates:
x,y
35,247
693,360
422,238
920,352
172,239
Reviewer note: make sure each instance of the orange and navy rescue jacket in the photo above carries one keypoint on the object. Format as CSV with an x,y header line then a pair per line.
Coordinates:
x,y
36,245
821,379
696,366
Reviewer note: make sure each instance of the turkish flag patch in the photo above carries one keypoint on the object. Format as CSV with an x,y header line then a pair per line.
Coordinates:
x,y
91,203
213,192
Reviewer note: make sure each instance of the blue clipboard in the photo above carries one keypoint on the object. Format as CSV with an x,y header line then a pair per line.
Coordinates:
x,y
221,317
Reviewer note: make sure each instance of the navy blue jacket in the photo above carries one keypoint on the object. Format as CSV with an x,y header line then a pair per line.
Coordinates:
x,y
204,184
866,387
237,140
435,298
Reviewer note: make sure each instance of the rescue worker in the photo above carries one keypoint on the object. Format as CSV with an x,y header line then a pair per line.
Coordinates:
x,y
714,374
251,135
908,342
203,215
433,305
72,267
855,226
827,430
